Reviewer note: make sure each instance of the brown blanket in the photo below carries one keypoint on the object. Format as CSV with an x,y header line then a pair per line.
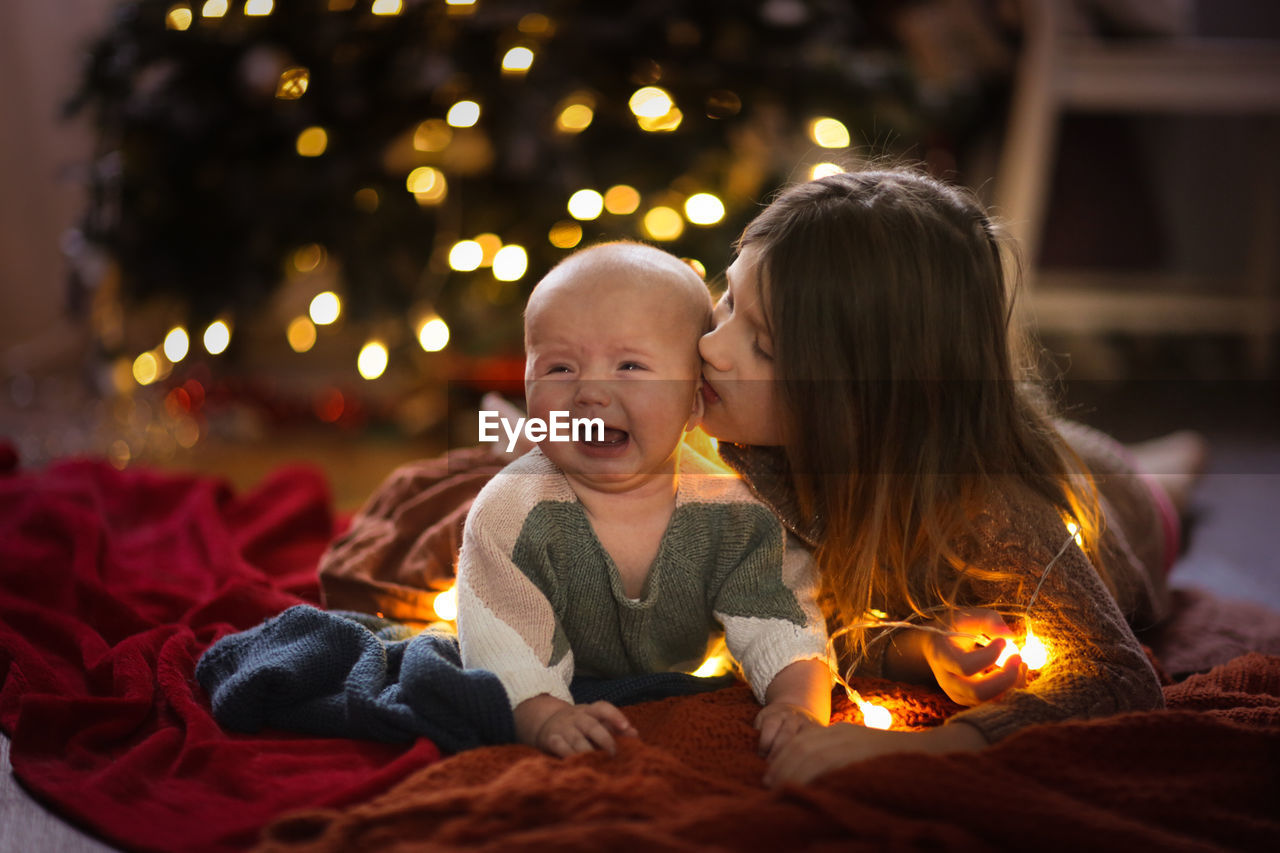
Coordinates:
x,y
1202,775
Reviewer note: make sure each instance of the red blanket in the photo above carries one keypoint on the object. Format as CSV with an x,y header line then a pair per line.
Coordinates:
x,y
111,586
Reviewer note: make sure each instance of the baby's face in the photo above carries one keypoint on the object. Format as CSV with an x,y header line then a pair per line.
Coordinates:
x,y
622,350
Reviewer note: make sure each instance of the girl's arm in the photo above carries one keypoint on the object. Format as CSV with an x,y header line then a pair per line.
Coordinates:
x,y
956,664
819,750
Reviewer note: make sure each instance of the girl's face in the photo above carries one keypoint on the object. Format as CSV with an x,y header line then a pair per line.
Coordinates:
x,y
737,362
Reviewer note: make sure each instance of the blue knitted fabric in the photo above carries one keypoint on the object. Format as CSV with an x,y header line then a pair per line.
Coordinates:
x,y
338,674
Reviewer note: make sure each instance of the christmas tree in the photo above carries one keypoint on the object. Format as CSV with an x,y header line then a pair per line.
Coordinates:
x,y
417,166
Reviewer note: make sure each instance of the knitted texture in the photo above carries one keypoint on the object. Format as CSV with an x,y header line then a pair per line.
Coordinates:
x,y
1198,777
1096,666
540,599
359,676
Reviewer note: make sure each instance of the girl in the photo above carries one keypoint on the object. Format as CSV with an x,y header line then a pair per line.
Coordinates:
x,y
860,375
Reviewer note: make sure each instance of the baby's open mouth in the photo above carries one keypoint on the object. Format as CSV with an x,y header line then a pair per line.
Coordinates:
x,y
612,438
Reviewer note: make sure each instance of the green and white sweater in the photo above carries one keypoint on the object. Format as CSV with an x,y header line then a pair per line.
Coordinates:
x,y
540,600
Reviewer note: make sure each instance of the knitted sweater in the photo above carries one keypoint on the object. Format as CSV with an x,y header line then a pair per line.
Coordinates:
x,y
1096,665
539,598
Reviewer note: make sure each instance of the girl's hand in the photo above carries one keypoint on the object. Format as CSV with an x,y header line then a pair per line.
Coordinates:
x,y
819,750
966,671
583,728
779,722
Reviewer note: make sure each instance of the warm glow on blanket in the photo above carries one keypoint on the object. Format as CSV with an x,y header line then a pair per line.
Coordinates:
x,y
446,604
873,716
713,666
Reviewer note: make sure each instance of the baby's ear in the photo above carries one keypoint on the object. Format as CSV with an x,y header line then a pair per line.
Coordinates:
x,y
699,408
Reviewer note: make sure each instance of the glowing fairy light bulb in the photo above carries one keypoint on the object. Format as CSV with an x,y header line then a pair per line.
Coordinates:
x,y
433,336
1010,649
214,8
463,114
178,17
1074,530
312,142
575,118
259,8
386,7
703,209
829,133
146,368
873,716
301,334
510,263
325,308
372,360
446,604
712,666
822,170
490,244
465,256
176,344
517,60
1034,654
217,337
293,83
663,223
621,200
565,234
586,204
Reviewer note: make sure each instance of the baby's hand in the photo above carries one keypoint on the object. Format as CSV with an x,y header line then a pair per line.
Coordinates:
x,y
779,722
583,728
965,670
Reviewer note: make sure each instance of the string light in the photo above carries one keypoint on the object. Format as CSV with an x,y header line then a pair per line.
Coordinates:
x,y
325,308
517,60
214,8
258,8
427,184
650,102
510,263
445,604
312,142
386,7
829,133
663,223
176,344
217,337
565,234
372,361
146,368
822,170
574,113
433,335
293,83
178,17
703,209
621,200
873,716
586,204
301,334
465,256
463,114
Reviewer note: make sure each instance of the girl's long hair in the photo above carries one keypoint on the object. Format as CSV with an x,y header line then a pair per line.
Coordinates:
x,y
904,412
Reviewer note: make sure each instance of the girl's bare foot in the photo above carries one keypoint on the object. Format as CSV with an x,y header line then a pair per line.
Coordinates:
x,y
1175,461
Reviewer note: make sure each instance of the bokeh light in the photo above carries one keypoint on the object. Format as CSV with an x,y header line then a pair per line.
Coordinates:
x,y
217,337
621,200
704,209
176,344
586,204
663,223
312,142
433,335
829,132
463,114
510,263
372,361
565,234
301,334
325,308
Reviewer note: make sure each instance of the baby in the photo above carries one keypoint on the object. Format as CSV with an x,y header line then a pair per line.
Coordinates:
x,y
616,554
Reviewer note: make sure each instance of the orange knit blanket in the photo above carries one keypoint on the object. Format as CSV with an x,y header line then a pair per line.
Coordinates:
x,y
1202,775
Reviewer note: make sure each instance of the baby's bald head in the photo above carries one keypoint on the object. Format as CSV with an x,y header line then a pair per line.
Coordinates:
x,y
631,277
